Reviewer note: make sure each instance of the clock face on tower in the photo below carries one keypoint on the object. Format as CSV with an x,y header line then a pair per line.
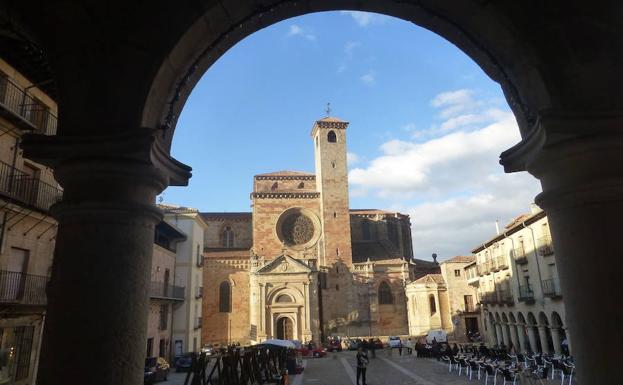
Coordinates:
x,y
298,228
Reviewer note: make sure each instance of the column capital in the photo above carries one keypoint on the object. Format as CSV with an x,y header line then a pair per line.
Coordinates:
x,y
136,146
575,154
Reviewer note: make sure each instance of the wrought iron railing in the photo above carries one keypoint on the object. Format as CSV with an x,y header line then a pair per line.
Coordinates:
x,y
505,296
17,105
24,289
518,254
525,293
27,189
258,364
501,262
545,245
165,291
551,288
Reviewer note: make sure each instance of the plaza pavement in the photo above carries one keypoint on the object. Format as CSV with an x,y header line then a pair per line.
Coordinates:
x,y
385,369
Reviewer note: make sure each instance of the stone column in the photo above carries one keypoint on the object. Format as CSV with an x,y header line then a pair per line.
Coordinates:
x,y
98,294
521,334
505,335
498,334
514,340
543,338
532,338
577,156
493,338
555,330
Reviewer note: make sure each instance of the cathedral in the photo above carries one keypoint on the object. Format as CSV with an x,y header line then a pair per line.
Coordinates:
x,y
303,264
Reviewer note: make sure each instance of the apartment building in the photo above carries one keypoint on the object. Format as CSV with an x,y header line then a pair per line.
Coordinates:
x,y
517,282
164,294
187,319
27,232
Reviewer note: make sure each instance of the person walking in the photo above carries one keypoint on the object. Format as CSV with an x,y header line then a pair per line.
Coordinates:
x,y
362,364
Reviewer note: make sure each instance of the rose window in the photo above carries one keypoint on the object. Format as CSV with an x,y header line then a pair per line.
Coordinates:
x,y
297,229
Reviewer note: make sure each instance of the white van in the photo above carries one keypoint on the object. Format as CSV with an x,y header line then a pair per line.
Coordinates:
x,y
438,335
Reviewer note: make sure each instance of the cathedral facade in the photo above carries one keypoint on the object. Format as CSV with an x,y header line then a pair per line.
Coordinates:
x,y
303,265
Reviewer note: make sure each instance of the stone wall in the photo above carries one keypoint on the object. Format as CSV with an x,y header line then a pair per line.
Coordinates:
x,y
221,327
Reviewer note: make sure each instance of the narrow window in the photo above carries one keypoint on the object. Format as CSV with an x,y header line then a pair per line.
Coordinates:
x,y
331,137
385,294
227,238
274,186
301,185
457,273
431,303
224,305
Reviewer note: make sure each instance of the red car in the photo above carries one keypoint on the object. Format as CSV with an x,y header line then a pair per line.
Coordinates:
x,y
315,352
334,346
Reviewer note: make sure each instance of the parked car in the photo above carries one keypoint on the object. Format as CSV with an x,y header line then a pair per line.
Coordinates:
x,y
354,344
376,343
394,342
156,369
334,345
208,350
183,363
438,335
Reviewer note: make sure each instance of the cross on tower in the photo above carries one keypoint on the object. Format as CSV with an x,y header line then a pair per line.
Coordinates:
x,y
328,110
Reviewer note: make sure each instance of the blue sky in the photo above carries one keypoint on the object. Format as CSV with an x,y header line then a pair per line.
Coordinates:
x,y
426,125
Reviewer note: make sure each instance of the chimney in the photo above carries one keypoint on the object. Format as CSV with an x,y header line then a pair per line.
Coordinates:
x,y
435,257
497,226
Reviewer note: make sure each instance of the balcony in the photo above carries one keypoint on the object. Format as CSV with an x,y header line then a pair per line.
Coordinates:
x,y
160,290
545,245
526,294
489,298
471,308
199,260
501,262
519,256
22,289
551,289
505,297
198,322
199,292
23,110
28,190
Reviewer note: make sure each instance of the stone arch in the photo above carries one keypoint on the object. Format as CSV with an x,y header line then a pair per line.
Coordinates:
x,y
520,318
293,293
501,51
511,318
497,317
543,319
531,319
504,318
556,320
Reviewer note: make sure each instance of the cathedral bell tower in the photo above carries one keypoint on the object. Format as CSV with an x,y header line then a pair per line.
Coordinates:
x,y
329,135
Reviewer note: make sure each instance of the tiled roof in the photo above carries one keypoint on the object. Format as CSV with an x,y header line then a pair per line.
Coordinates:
x,y
172,209
332,119
228,215
437,278
286,173
461,259
370,211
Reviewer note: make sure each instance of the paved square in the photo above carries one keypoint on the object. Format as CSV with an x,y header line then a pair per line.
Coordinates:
x,y
385,369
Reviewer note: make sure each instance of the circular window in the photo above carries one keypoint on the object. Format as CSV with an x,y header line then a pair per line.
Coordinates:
x,y
297,228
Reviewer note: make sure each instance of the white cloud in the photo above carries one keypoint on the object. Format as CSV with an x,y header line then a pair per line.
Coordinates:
x,y
369,78
450,180
365,19
350,46
296,30
352,158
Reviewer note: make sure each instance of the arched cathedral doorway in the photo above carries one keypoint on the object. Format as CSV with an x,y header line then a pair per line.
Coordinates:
x,y
285,329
